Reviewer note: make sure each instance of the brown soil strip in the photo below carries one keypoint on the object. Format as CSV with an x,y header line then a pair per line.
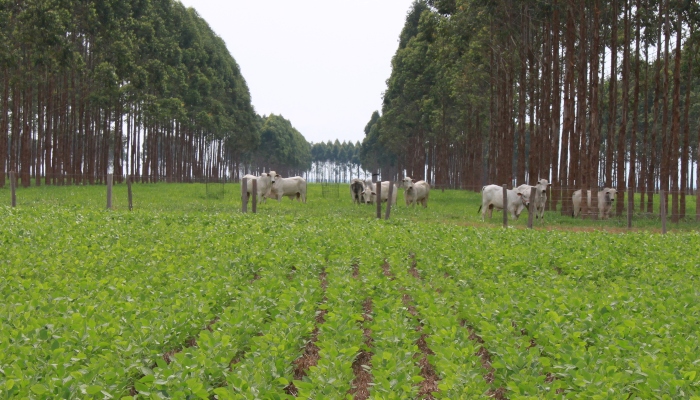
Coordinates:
x,y
413,271
363,362
355,270
387,270
427,371
311,355
485,357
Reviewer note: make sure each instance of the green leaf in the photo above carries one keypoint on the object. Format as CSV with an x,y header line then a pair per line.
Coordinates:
x,y
93,389
39,389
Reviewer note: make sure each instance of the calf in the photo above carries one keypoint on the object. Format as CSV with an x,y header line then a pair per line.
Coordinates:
x,y
370,195
492,197
416,192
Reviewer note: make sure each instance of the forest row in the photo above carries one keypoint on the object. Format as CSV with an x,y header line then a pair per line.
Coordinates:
x,y
583,93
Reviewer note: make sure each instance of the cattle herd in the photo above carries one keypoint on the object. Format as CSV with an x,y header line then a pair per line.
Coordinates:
x,y
273,185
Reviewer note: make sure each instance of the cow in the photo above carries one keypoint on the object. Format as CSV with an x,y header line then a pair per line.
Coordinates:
x,y
370,195
492,197
264,184
290,187
357,187
606,198
540,195
416,192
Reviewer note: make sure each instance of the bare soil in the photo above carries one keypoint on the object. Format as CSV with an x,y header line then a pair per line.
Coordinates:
x,y
310,356
363,362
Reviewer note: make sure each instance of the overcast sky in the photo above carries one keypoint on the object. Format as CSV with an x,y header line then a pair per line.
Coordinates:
x,y
322,64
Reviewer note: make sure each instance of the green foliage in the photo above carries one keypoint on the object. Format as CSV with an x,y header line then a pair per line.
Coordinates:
x,y
95,299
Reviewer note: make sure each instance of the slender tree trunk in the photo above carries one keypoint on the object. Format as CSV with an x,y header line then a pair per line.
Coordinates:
x,y
609,141
644,183
651,182
676,124
665,150
579,157
685,149
595,102
556,106
622,134
635,105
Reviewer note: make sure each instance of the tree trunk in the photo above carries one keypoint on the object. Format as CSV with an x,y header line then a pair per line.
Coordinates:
x,y
612,104
685,149
622,134
631,182
594,104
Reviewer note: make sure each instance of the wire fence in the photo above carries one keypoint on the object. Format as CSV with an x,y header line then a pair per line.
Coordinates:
x,y
658,211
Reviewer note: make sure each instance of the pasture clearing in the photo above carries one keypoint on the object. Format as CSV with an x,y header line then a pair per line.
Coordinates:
x,y
187,298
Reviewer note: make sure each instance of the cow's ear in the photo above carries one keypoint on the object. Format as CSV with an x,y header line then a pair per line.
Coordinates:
x,y
549,184
519,194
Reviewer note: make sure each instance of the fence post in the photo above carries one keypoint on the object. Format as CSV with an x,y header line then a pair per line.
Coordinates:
x,y
662,208
379,199
630,206
13,187
505,206
128,189
109,191
388,203
594,205
533,193
244,195
255,196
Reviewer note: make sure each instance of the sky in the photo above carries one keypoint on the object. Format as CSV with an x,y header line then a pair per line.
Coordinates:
x,y
322,64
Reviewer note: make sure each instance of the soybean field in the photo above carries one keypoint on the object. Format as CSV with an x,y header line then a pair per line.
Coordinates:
x,y
185,297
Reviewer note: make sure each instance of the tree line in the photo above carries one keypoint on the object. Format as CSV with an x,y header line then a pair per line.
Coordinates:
x,y
582,93
133,87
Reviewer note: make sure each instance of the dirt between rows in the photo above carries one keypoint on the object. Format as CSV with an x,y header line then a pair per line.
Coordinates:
x,y
363,362
311,354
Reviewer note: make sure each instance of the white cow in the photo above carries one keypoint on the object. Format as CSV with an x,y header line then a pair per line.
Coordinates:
x,y
290,187
357,187
492,197
606,198
370,195
416,192
540,195
264,184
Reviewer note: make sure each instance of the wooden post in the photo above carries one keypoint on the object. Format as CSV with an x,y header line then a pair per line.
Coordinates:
x,y
244,195
630,206
109,191
662,208
255,196
379,199
13,187
388,203
128,188
505,206
533,194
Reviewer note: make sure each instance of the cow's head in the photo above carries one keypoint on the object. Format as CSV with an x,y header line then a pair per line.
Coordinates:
x,y
542,185
274,176
609,196
408,183
524,198
367,195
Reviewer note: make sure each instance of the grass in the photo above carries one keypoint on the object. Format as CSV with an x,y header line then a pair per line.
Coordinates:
x,y
456,207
